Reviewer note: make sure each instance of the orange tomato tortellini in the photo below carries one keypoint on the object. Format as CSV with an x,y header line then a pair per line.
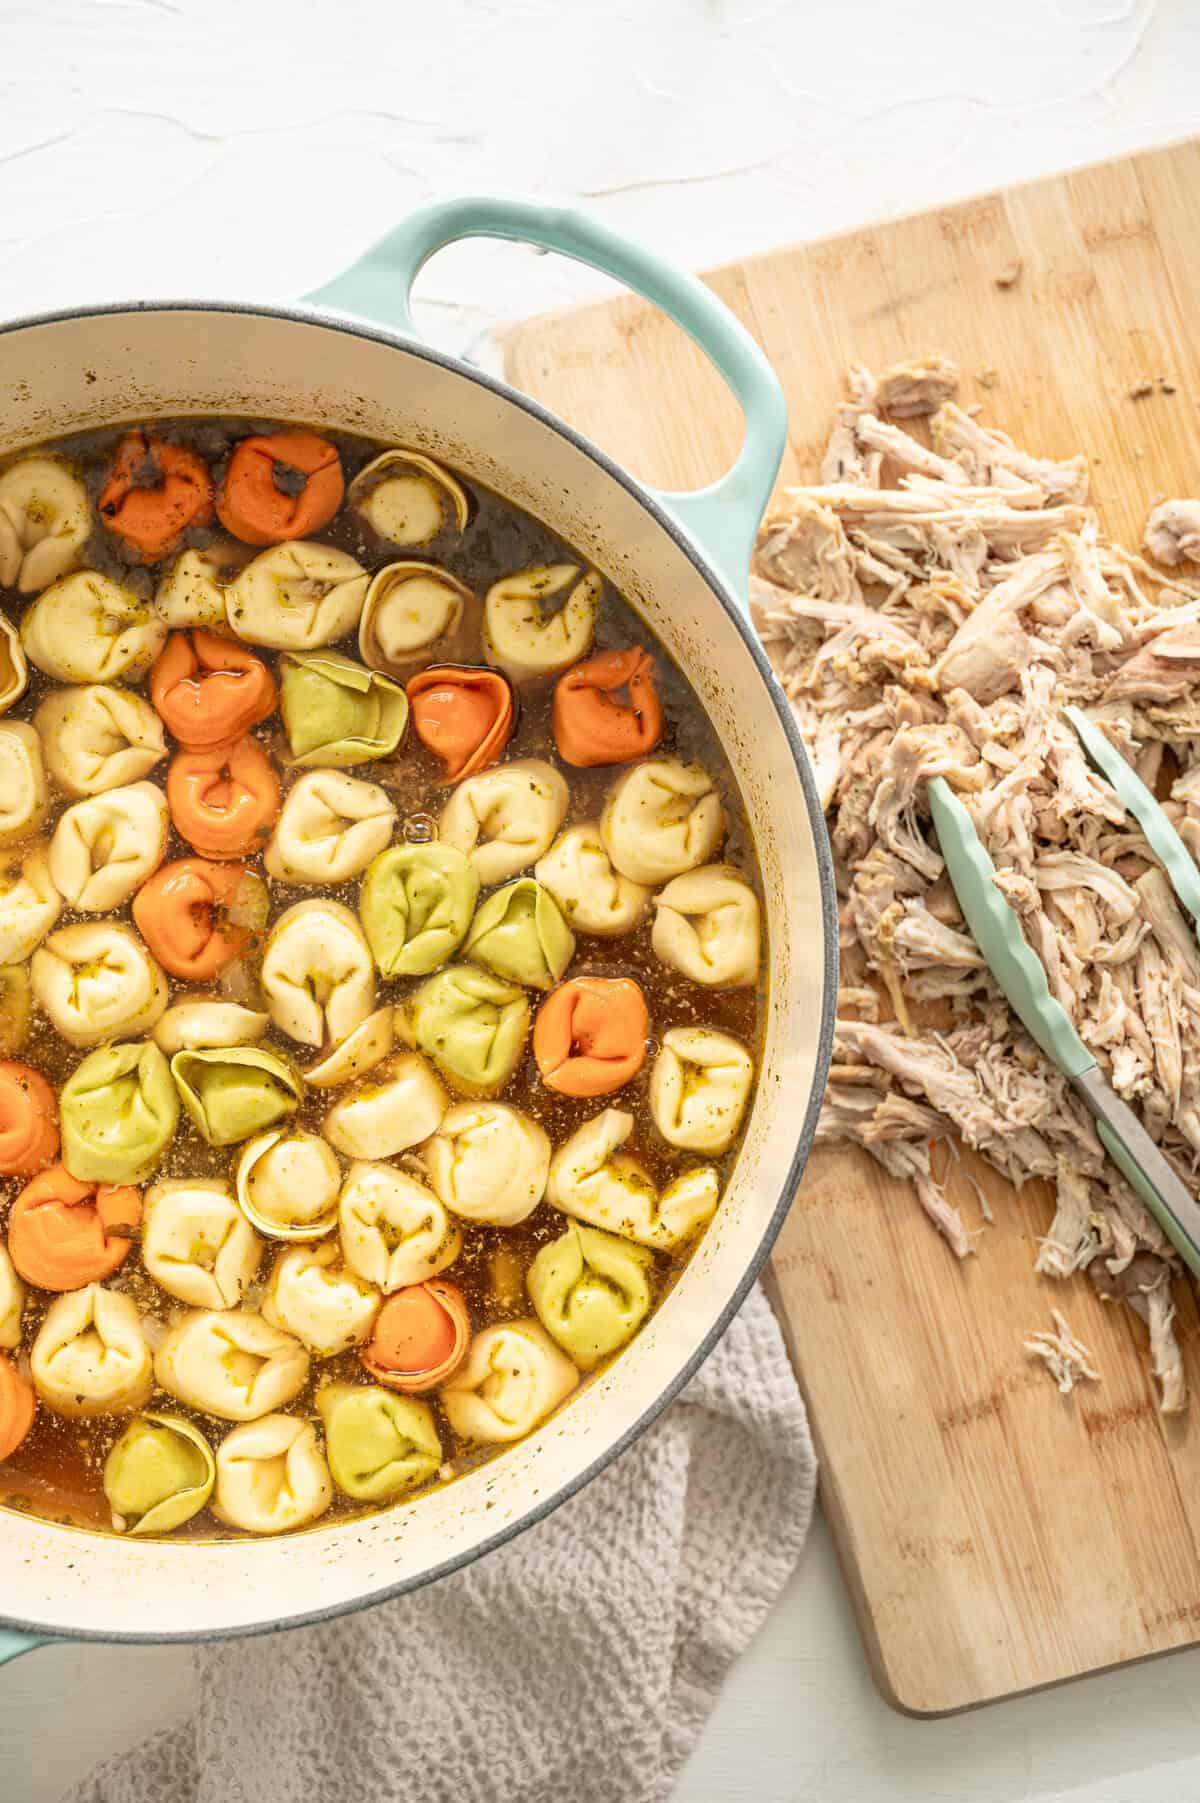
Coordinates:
x,y
186,914
420,1338
589,1037
63,1234
18,1405
463,715
154,492
208,689
28,1120
281,485
592,724
224,801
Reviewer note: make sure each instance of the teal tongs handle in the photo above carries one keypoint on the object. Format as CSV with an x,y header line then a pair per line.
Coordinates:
x,y
1019,973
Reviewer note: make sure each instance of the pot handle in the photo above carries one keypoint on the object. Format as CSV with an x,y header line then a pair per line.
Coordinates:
x,y
12,1645
723,518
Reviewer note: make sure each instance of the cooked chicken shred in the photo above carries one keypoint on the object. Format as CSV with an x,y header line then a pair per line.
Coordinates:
x,y
931,605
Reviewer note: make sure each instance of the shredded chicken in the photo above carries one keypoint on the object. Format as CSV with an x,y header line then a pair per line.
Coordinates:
x,y
1066,1358
931,608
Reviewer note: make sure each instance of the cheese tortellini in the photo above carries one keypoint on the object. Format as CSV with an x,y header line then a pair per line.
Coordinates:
x,y
394,1230
96,980
119,1112
378,1444
592,894
98,737
296,597
330,828
107,845
231,1363
88,628
408,499
12,1303
661,818
489,1163
706,924
312,1294
591,1291
288,1182
14,669
514,1376
519,933
197,1244
336,712
45,521
271,1476
200,1022
699,1088
594,1181
24,797
473,1026
91,1356
231,1092
506,817
29,903
412,613
403,1105
416,904
317,975
158,1475
358,1053
527,642
192,593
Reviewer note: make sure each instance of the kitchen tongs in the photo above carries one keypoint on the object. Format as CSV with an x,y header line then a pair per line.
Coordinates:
x,y
1019,974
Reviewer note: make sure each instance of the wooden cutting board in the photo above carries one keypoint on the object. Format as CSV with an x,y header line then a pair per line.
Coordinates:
x,y
996,1535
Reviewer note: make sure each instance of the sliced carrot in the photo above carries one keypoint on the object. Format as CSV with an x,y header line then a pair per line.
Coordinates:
x,y
224,801
463,715
63,1234
28,1120
18,1405
154,492
589,1037
421,1336
208,689
282,485
182,914
592,724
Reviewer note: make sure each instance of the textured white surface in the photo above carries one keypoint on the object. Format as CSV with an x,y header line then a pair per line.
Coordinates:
x,y
252,147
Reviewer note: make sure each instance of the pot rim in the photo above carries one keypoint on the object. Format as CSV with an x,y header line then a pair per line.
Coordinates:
x,y
413,346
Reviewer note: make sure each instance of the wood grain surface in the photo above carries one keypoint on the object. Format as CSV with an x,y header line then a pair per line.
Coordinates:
x,y
996,1535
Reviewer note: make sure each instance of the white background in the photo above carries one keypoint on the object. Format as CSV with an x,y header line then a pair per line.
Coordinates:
x,y
253,147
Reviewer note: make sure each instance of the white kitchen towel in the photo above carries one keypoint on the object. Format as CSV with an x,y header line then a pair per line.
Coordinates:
x,y
577,1663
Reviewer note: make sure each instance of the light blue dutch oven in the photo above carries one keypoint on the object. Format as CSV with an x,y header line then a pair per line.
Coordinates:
x,y
351,359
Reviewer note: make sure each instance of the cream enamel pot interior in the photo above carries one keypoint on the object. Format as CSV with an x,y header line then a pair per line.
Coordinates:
x,y
682,560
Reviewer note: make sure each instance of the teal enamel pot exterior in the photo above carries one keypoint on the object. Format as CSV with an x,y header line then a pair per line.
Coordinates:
x,y
352,360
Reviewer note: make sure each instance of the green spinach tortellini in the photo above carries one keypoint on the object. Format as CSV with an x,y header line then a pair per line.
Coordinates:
x,y
378,1444
158,1475
473,1026
520,933
416,904
231,1092
338,713
591,1290
119,1110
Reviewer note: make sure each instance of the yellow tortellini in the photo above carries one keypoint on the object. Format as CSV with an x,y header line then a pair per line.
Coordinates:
x,y
661,818
411,616
24,797
408,499
231,1363
402,1105
591,1291
473,1026
91,1356
519,933
522,638
96,980
318,978
313,1294
45,521
288,1183
514,1376
378,1444
330,828
197,1244
706,924
360,1051
271,1476
699,1088
232,1092
506,817
158,1475
98,737
12,1303
489,1163
119,1110
336,712
296,597
594,1181
192,592
14,670
416,904
105,846
593,896
88,628
201,1022
394,1230
29,902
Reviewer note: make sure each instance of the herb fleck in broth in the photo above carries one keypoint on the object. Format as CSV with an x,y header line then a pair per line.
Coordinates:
x,y
56,1471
